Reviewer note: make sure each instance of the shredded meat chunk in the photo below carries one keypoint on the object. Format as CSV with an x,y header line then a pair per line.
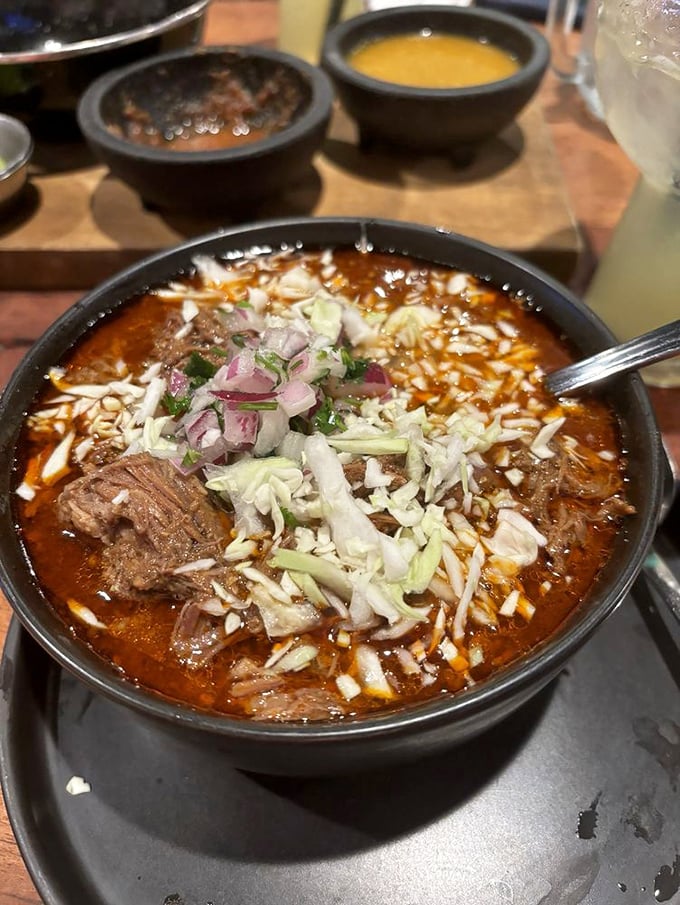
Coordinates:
x,y
393,466
196,637
250,679
259,689
150,518
209,330
301,704
558,495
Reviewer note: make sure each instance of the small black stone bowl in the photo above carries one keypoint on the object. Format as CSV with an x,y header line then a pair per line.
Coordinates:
x,y
136,118
434,120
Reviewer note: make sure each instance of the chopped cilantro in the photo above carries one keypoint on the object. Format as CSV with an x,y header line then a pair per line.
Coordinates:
x,y
271,361
191,457
288,518
326,419
176,405
244,303
238,339
356,367
199,367
257,406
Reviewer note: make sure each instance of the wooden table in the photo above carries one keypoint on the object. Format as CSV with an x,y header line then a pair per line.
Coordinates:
x,y
599,180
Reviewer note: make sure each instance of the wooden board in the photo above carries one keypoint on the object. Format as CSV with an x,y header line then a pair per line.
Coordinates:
x,y
78,224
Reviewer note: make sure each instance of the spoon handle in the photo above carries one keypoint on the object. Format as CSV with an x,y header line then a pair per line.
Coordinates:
x,y
657,345
660,577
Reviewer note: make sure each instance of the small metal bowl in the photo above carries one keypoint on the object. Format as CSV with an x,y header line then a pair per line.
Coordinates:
x,y
16,148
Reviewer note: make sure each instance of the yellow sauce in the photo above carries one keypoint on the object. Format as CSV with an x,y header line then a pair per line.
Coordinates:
x,y
433,61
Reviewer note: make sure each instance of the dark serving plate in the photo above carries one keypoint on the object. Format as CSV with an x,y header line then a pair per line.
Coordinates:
x,y
388,737
572,800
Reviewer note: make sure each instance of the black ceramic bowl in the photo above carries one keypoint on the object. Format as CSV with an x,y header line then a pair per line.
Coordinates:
x,y
51,50
441,119
414,731
183,94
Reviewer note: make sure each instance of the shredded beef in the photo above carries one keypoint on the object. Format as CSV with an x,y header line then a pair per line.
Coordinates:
x,y
197,637
259,686
301,704
394,466
151,519
104,452
208,330
248,678
614,507
384,522
561,497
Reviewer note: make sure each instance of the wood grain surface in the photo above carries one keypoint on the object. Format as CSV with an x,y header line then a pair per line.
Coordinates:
x,y
89,225
598,179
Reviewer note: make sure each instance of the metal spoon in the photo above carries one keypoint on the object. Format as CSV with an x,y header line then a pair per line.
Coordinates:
x,y
657,345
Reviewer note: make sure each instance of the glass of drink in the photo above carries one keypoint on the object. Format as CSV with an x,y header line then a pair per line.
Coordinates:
x,y
637,57
563,17
303,24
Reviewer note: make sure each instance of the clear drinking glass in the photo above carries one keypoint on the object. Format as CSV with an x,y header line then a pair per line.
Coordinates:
x,y
637,58
303,23
575,68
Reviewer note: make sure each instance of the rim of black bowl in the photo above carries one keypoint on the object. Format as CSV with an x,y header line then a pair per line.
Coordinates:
x,y
413,239
317,110
336,61
107,42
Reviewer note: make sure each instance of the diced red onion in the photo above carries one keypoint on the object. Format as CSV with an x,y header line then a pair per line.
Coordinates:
x,y
243,373
178,384
375,382
273,428
198,425
307,366
296,398
242,320
240,429
233,398
284,341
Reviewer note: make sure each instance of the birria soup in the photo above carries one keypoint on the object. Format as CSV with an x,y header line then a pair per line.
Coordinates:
x,y
315,485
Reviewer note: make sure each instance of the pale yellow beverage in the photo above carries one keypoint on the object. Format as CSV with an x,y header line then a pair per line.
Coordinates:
x,y
637,285
302,25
